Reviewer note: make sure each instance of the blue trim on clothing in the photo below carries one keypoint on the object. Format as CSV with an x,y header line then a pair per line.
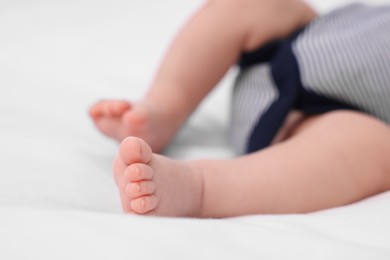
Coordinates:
x,y
292,94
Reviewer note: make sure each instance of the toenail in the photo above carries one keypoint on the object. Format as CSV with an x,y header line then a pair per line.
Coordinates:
x,y
137,187
143,203
140,149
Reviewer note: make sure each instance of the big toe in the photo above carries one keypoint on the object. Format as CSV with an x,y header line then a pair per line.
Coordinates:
x,y
135,150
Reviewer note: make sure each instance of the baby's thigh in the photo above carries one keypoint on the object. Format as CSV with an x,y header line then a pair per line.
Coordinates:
x,y
345,122
352,141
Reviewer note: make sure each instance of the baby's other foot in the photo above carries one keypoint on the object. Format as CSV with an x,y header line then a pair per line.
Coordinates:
x,y
119,119
108,117
156,185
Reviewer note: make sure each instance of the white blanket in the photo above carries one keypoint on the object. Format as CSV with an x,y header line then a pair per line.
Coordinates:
x,y
57,196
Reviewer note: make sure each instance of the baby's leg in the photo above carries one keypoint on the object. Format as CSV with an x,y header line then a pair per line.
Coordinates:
x,y
330,160
208,45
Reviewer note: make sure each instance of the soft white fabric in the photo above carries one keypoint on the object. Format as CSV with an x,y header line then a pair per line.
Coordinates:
x,y
57,196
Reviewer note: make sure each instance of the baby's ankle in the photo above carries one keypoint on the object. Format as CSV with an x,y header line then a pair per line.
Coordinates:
x,y
164,115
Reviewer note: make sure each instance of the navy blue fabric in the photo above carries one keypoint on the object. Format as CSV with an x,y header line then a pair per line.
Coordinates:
x,y
292,94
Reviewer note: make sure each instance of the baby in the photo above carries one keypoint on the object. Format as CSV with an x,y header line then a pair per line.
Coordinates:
x,y
310,114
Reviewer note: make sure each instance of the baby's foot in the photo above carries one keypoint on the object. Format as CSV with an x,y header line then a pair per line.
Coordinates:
x,y
119,119
156,185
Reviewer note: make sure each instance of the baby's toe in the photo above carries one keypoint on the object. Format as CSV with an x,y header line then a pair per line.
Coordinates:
x,y
144,204
118,107
96,110
138,189
138,172
109,108
105,107
135,150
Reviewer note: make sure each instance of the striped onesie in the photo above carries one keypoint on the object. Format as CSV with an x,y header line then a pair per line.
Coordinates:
x,y
341,60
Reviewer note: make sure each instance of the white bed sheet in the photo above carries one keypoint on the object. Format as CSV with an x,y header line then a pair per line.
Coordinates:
x,y
57,196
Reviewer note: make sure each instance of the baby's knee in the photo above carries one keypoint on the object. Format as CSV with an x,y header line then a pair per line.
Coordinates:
x,y
265,20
